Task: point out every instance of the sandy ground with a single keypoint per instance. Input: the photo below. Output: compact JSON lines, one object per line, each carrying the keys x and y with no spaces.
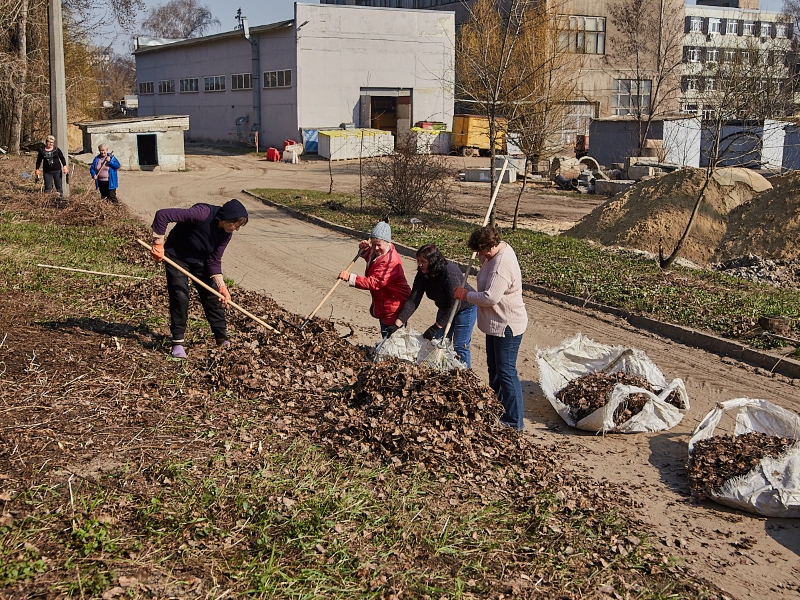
{"x":296,"y":263}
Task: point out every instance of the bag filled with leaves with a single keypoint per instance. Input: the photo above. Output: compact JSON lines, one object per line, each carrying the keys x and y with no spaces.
{"x":403,"y":344}
{"x":757,"y":469}
{"x":602,"y":388}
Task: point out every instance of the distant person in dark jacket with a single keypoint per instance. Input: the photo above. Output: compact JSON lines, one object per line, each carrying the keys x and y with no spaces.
{"x":196,"y":243}
{"x":104,"y":172}
{"x":54,"y":165}
{"x":437,"y":278}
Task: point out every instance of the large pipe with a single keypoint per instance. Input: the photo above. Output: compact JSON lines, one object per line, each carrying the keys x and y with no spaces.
{"x":256,"y":77}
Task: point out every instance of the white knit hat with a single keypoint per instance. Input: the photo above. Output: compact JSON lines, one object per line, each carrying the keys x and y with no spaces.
{"x":382,"y":231}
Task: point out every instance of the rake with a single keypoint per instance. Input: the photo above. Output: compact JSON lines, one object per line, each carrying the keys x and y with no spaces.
{"x":245,"y":312}
{"x":328,"y":295}
{"x":438,"y":356}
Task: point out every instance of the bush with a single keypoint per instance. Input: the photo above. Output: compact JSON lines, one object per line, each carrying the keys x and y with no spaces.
{"x":406,"y":182}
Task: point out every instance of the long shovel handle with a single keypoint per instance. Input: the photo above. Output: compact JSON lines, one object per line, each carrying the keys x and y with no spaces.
{"x":210,"y":289}
{"x":474,"y":254}
{"x":328,"y":295}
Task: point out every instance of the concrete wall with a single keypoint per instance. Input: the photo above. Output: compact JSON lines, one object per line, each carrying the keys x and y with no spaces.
{"x":121,"y":138}
{"x":342,"y":49}
{"x":682,"y":142}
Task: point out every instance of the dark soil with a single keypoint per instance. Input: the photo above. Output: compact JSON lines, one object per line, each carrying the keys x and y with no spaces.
{"x":586,"y":394}
{"x":720,"y":458}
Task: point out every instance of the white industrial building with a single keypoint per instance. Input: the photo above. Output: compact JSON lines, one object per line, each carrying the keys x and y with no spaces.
{"x":380,"y":68}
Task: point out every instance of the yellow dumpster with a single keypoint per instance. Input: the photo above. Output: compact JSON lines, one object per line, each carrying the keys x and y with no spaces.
{"x":471,"y":134}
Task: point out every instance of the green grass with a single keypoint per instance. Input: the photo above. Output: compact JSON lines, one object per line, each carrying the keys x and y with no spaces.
{"x":699,"y":299}
{"x":296,"y":523}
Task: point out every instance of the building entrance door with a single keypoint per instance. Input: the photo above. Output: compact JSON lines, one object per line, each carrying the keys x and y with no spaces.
{"x":146,"y":147}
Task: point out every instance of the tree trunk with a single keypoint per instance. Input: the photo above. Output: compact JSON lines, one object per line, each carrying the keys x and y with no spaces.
{"x":665,"y":263}
{"x":519,"y":196}
{"x":18,"y":87}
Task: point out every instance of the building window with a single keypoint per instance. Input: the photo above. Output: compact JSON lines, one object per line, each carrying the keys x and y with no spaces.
{"x":630,"y":97}
{"x":242,"y":81}
{"x":278,"y":79}
{"x":584,"y":35}
{"x":166,"y":86}
{"x":749,"y":28}
{"x":780,"y":30}
{"x":693,"y":55}
{"x":765,"y":29}
{"x":189,"y":85}
{"x":214,"y":84}
{"x":714,"y":25}
{"x":712,"y":55}
{"x":732,"y":27}
{"x":146,"y":88}
{"x":691,"y":84}
{"x":696,"y":24}
{"x":730,"y":55}
{"x":711,"y":84}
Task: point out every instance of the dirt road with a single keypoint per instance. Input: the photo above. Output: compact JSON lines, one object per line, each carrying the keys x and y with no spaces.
{"x":296,"y":263}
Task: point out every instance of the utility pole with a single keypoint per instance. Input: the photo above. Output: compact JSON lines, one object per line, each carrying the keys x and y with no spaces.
{"x":58,"y":86}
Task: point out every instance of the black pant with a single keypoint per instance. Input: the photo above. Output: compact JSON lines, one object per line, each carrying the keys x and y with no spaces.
{"x":105,"y":192}
{"x":51,"y":178}
{"x":178,"y":288}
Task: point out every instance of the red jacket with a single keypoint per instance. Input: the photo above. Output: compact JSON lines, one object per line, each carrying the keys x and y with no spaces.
{"x":386,"y":281}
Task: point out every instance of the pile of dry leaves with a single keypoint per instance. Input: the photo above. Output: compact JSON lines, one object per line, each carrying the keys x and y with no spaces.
{"x":586,"y":394}
{"x":717,"y":459}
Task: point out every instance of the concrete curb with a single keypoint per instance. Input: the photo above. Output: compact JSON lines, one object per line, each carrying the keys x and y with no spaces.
{"x":684,"y":335}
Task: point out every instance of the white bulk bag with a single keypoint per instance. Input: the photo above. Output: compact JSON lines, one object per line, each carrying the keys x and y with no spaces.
{"x":404,"y":344}
{"x":579,"y":356}
{"x":772,"y":487}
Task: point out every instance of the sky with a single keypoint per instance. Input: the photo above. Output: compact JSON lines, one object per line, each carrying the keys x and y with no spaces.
{"x":263,"y":12}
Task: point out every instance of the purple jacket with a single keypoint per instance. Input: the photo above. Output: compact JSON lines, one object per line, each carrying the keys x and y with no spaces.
{"x":197,"y":237}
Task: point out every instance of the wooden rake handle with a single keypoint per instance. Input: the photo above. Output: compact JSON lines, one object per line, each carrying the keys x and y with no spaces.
{"x":210,"y":289}
{"x":474,"y":254}
{"x":328,"y":295}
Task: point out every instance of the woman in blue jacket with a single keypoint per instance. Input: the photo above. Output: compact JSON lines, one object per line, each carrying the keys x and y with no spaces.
{"x":104,"y":172}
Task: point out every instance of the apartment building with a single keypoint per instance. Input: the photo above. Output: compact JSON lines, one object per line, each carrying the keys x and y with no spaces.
{"x":727,"y":33}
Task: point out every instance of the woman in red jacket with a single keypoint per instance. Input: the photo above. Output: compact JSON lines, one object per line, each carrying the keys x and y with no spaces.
{"x":384,"y":277}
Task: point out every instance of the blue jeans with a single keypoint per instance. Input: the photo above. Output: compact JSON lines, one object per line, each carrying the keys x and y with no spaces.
{"x":461,"y":333}
{"x":501,"y":358}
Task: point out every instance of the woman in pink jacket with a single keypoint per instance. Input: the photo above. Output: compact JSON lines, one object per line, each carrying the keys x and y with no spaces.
{"x":384,"y":277}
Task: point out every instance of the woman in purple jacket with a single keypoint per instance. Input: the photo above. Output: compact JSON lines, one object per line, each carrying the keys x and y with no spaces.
{"x":196,"y":243}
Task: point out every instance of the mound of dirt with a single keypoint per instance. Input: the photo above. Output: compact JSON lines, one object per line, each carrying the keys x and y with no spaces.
{"x":768,"y":225}
{"x":660,"y":209}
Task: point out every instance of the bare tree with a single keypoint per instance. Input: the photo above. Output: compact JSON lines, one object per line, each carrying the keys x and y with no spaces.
{"x":491,"y":73}
{"x":645,"y":55}
{"x":24,"y":73}
{"x":179,"y":19}
{"x":738,"y":94}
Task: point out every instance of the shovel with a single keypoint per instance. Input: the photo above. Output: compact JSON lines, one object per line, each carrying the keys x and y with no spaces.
{"x":328,"y":295}
{"x":212,"y":290}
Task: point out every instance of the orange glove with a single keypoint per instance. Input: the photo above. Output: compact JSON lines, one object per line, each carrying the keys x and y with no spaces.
{"x":344,"y":276}
{"x":460,"y":293}
{"x":223,"y":289}
{"x":157,"y":251}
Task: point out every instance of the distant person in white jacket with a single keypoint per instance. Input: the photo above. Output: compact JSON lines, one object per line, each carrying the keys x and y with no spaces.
{"x":501,"y":316}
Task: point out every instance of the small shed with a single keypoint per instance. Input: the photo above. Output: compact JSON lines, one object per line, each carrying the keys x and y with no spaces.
{"x":612,"y":139}
{"x":140,"y":143}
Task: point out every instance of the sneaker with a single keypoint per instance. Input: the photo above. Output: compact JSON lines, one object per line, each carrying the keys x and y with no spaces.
{"x":223,"y":343}
{"x":178,"y":351}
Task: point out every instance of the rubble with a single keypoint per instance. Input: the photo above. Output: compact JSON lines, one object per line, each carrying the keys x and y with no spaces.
{"x":780,"y":273}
